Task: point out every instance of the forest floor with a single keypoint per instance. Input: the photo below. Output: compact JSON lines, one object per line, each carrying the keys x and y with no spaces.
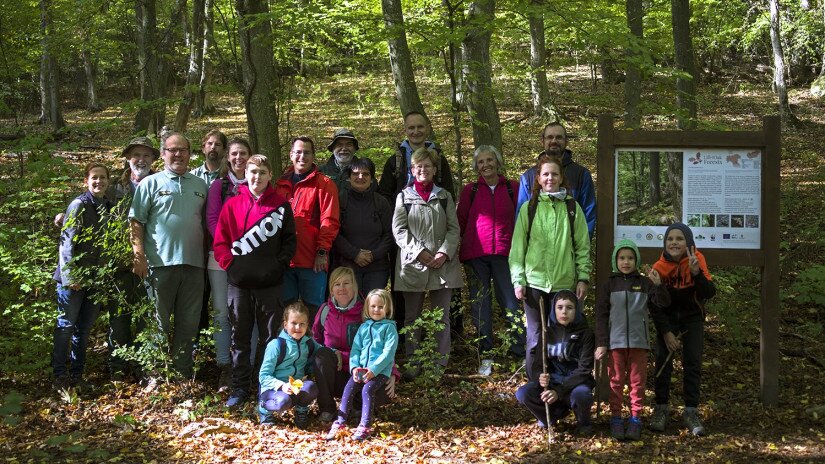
{"x":465,"y":417}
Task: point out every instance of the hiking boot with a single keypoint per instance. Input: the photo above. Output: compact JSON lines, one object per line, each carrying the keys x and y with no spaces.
{"x":225,"y":378}
{"x":237,"y":398}
{"x":661,"y":414}
{"x":326,"y":417}
{"x":617,"y":428}
{"x":361,"y":433}
{"x":301,"y":416}
{"x":63,"y":382}
{"x":691,"y":420}
{"x":634,"y":429}
{"x":333,"y":431}
{"x":486,"y":367}
{"x":266,"y":419}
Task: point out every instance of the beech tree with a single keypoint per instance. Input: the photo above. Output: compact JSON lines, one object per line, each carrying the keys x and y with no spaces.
{"x":633,"y":71}
{"x":538,"y":60}
{"x":477,"y":71}
{"x":50,"y":106}
{"x":779,"y":65}
{"x":685,"y":64}
{"x":400,"y":61}
{"x":193,"y":77}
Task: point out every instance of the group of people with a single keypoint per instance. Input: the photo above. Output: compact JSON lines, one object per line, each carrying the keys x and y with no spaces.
{"x":263,"y":248}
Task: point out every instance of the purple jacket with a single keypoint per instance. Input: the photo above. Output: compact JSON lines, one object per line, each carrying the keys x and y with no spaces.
{"x":487,"y":224}
{"x":215,"y":201}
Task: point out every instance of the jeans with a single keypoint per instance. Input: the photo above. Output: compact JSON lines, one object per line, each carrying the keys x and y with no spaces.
{"x":532,"y":311}
{"x":121,"y":319}
{"x":496,"y":268}
{"x":177,"y":291}
{"x":368,"y":281}
{"x":248,"y":307}
{"x":580,"y":399}
{"x":76,"y":315}
{"x":306,"y":284}
{"x":220,"y":318}
{"x":692,"y":345}
{"x":414,"y":302}
{"x":280,"y":402}
{"x":369,"y":392}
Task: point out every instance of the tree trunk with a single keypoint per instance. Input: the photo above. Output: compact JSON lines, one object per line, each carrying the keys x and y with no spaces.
{"x":538,"y":60}
{"x":90,"y":70}
{"x":674,"y":175}
{"x":654,"y":179}
{"x":201,"y":97}
{"x":481,"y":103}
{"x":170,"y":36}
{"x":50,"y":107}
{"x":400,"y":60}
{"x":779,"y":65}
{"x":259,"y":79}
{"x":452,"y":65}
{"x":195,"y":63}
{"x":685,"y":63}
{"x":633,"y":71}
{"x":146,"y":16}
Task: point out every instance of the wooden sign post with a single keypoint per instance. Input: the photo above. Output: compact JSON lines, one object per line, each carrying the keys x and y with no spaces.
{"x":766,"y":255}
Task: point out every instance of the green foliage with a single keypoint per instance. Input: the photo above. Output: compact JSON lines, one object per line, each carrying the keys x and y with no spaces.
{"x":809,"y":286}
{"x":12,"y":406}
{"x":736,"y":304}
{"x":426,"y":357}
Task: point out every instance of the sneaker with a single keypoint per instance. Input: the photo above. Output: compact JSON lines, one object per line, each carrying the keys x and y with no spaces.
{"x":301,"y":416}
{"x":661,"y":414}
{"x":225,"y":379}
{"x":486,"y":367}
{"x":634,"y":429}
{"x":691,"y":419}
{"x":361,"y":433}
{"x":237,"y":398}
{"x":326,"y":417}
{"x":333,"y":431}
{"x":617,"y":428}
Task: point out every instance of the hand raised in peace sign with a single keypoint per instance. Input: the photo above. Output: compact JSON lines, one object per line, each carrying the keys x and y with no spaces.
{"x":693,"y":261}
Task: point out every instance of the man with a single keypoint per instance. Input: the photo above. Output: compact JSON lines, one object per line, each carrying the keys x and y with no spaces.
{"x":214,"y":147}
{"x":167,"y":242}
{"x":579,"y":180}
{"x":314,"y":200}
{"x":343,"y":148}
{"x":396,"y":176}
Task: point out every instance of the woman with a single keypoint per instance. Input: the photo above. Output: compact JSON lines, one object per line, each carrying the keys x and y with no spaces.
{"x":230,"y":178}
{"x":78,"y":258}
{"x":425,"y":227}
{"x":364,"y":240}
{"x":486,"y":217}
{"x":550,"y":250}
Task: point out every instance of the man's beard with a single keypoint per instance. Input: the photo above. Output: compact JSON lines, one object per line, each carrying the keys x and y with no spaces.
{"x":137,"y":171}
{"x":214,"y":156}
{"x":343,"y":160}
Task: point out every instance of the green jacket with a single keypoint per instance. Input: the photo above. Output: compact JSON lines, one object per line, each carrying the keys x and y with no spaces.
{"x":550,"y":263}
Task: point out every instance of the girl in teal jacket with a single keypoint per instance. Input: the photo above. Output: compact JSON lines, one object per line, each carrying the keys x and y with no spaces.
{"x":550,"y":250}
{"x":370,"y":362}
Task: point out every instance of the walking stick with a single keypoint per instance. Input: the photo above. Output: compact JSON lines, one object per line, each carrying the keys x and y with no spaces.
{"x":669,"y":355}
{"x":550,"y":434}
{"x":599,"y":365}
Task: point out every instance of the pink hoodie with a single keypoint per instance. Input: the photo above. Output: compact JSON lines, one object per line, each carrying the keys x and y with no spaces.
{"x":487,"y":224}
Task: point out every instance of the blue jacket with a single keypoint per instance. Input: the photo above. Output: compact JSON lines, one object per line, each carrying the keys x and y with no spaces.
{"x":579,"y":184}
{"x":294,"y":364}
{"x":77,"y":248}
{"x":374,"y":347}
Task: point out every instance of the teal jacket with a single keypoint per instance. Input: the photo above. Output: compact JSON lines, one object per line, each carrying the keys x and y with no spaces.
{"x":374,"y":347}
{"x":549,"y":262}
{"x":294,"y":364}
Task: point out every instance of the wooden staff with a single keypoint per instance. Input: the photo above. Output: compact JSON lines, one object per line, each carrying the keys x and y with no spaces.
{"x":550,"y":434}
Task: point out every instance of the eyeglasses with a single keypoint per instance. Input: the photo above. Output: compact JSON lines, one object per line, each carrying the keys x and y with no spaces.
{"x":360,"y":174}
{"x":419,"y":167}
{"x":302,"y":152}
{"x":176,"y":151}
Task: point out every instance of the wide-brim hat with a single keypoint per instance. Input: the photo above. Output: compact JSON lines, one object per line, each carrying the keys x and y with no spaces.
{"x":343,"y":133}
{"x":143,"y":142}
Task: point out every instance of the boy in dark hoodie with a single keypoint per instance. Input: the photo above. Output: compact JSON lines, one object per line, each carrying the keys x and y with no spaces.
{"x":622,"y":330}
{"x":684,"y":272}
{"x":568,"y":383}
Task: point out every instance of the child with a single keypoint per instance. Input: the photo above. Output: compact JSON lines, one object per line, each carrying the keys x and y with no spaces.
{"x":287,"y":356}
{"x":681,"y":324}
{"x":77,"y":251}
{"x":569,"y":354}
{"x":370,"y":362}
{"x":622,"y":328}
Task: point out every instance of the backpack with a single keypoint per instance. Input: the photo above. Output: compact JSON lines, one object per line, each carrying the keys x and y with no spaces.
{"x":571,"y":217}
{"x":282,"y":349}
{"x":509,"y":192}
{"x":226,"y":186}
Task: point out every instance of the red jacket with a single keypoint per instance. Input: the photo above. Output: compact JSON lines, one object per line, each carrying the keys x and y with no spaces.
{"x":255,"y":239}
{"x":314,"y":203}
{"x":487,"y":224}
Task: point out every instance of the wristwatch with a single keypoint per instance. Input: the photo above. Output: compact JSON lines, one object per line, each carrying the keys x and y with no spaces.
{"x":321,"y":252}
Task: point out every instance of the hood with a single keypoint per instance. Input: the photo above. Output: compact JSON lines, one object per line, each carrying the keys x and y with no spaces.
{"x":625,"y":243}
{"x":688,"y":238}
{"x":384,"y":321}
{"x":567,"y":294}
{"x":566,"y":157}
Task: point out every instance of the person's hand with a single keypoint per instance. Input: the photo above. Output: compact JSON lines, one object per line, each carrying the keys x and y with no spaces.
{"x":369,"y":375}
{"x":544,"y":380}
{"x":581,"y":291}
{"x":672,"y":342}
{"x":58,"y":219}
{"x":362,"y":258}
{"x":75,"y":287}
{"x":520,"y":293}
{"x":425,"y":258}
{"x":140,"y":266}
{"x":340,"y":359}
{"x":390,"y":387}
{"x":320,"y":263}
{"x":693,"y":261}
{"x":654,"y":277}
{"x":438,"y":261}
{"x":549,"y":396}
{"x":370,"y":257}
{"x":600,"y":352}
